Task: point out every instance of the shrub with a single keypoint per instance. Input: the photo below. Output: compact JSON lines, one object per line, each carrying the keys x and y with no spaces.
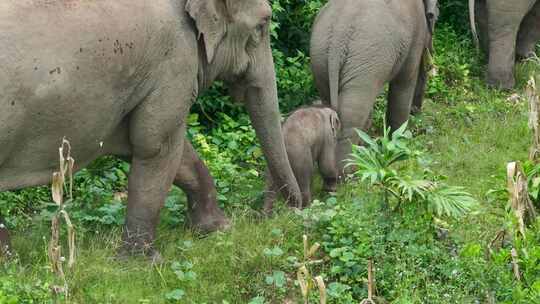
{"x":379,"y":162}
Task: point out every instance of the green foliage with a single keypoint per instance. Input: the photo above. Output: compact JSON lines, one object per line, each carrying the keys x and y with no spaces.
{"x":453,"y":79}
{"x":13,"y":291}
{"x":378,"y":162}
{"x":233,"y":155}
{"x":185,"y":275}
{"x":411,"y":265}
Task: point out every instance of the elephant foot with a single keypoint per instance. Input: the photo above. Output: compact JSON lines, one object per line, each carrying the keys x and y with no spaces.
{"x":330,"y":186}
{"x":209,"y":221}
{"x":138,"y":242}
{"x":415,"y":110}
{"x":153,"y":255}
{"x":525,"y":54}
{"x":503,"y":81}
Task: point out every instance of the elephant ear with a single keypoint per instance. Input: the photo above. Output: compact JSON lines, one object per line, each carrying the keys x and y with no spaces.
{"x":432,"y":14}
{"x":210,"y":18}
{"x":335,"y":124}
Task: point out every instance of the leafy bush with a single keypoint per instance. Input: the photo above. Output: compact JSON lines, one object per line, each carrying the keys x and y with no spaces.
{"x":411,"y":264}
{"x":14,"y":291}
{"x":378,"y":162}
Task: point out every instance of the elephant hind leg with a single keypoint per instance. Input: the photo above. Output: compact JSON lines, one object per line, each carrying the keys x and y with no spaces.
{"x":503,"y":32}
{"x":328,"y":168}
{"x":402,"y":90}
{"x":301,"y":161}
{"x":529,"y":33}
{"x":195,"y":180}
{"x":355,"y":107}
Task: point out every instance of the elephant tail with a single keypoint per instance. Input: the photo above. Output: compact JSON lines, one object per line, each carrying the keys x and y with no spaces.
{"x":473,"y":24}
{"x":334,"y":67}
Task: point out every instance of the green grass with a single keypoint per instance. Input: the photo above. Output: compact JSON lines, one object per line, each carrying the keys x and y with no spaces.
{"x":469,"y":143}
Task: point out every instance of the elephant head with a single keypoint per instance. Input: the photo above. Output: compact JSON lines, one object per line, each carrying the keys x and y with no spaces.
{"x":234,"y":47}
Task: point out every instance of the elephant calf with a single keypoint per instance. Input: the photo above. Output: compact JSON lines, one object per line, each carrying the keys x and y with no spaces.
{"x":359,"y":45}
{"x":310,"y":135}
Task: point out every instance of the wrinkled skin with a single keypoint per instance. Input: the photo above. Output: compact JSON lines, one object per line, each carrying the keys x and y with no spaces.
{"x":507,"y":30}
{"x":118,"y":78}
{"x":359,"y":45}
{"x":310,"y":138}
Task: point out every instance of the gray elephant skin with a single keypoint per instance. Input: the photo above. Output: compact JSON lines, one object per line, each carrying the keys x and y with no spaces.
{"x":310,"y":138}
{"x":359,"y":45}
{"x":118,"y":77}
{"x":508,"y":30}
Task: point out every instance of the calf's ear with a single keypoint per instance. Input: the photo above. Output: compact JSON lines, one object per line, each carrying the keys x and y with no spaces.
{"x":335,"y":124}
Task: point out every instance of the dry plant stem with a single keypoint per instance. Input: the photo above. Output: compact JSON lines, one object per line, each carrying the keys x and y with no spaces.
{"x":305,"y":280}
{"x":519,"y":196}
{"x":322,"y":289}
{"x":369,"y":299}
{"x":58,"y":186}
{"x":515,"y":265}
{"x":492,"y":246}
{"x":532,"y":97}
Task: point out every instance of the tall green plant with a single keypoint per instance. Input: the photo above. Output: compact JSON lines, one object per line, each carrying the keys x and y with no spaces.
{"x":389,"y":164}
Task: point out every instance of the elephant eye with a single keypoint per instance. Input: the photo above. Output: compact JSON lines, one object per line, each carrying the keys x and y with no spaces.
{"x":262,"y":26}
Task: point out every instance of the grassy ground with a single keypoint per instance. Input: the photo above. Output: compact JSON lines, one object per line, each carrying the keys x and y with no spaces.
{"x":470,"y":143}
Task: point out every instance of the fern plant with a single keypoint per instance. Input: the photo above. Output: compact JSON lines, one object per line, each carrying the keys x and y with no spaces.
{"x":389,"y":164}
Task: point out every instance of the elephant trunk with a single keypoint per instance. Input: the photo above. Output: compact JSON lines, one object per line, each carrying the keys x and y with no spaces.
{"x":262,"y":105}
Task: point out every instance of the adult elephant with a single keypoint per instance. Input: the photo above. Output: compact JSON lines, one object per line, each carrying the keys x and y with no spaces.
{"x":359,"y":45}
{"x":118,"y":77}
{"x":508,"y":29}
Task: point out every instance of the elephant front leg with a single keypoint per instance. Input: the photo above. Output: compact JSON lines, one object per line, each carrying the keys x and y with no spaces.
{"x":156,"y":134}
{"x":195,"y":180}
{"x":150,"y":179}
{"x":529,"y":33}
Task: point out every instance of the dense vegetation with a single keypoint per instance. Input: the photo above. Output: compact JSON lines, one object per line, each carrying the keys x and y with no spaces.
{"x":465,"y":136}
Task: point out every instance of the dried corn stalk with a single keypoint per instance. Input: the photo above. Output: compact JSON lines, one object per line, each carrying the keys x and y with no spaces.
{"x":58,"y":185}
{"x":305,"y":280}
{"x":515,"y":265}
{"x":371,"y":284}
{"x":531,"y":94}
{"x":519,"y":195}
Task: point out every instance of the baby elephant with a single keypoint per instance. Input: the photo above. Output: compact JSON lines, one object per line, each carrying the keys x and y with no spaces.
{"x":310,"y":135}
